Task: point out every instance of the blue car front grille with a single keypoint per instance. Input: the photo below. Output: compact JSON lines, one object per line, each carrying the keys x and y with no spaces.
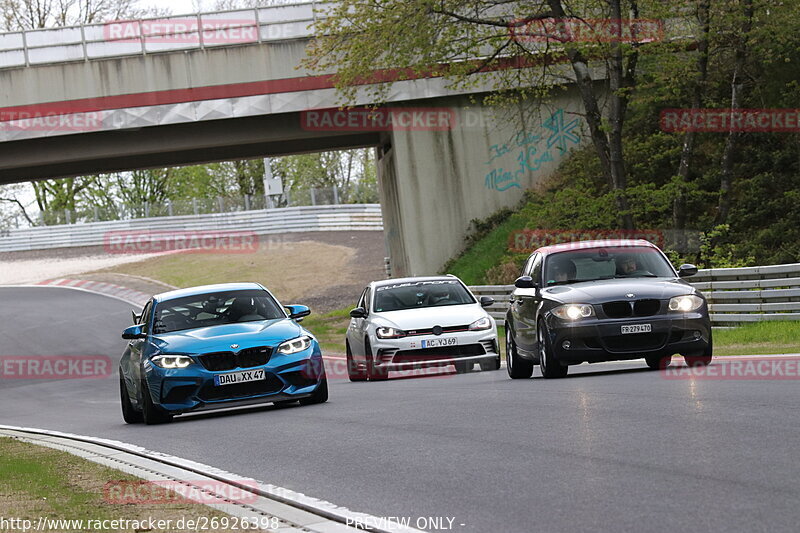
{"x":271,"y":384}
{"x":247,"y":358}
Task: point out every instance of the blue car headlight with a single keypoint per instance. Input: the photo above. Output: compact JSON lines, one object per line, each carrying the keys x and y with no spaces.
{"x":172,"y":361}
{"x":295,"y":345}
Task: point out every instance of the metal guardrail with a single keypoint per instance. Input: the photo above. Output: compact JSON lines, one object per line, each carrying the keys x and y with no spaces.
{"x":348,"y":217}
{"x":735,"y":295}
{"x":194,"y":31}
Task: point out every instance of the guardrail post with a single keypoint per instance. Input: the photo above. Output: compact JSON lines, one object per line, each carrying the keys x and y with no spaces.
{"x":83,"y":43}
{"x":335,"y":195}
{"x":200,"y":31}
{"x":146,"y":210}
{"x":141,"y":37}
{"x":220,"y":205}
{"x":96,"y":213}
{"x":25,"y":49}
{"x":67,"y":216}
{"x":258,"y":24}
{"x":194,"y":206}
{"x":247,"y":202}
{"x":313,"y":196}
{"x":169,"y":207}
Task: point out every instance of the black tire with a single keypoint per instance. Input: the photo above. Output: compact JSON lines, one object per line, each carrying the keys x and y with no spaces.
{"x":151,"y":413}
{"x":129,"y":414}
{"x":548,"y":364}
{"x":353,"y":372}
{"x":658,"y":362}
{"x":702,"y":359}
{"x":517,"y":367}
{"x":373,"y":373}
{"x":320,"y":394}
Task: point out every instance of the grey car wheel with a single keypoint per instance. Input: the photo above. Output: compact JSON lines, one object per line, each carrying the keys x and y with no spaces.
{"x":517,"y":367}
{"x":549,"y":366}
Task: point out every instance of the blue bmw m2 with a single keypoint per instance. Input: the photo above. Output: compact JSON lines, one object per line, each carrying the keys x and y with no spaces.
{"x":214,"y":347}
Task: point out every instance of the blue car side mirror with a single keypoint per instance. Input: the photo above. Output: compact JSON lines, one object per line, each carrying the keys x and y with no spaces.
{"x":133,"y":332}
{"x":297,"y":312}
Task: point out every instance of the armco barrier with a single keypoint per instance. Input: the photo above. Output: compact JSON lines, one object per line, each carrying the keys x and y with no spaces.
{"x":735,"y":295}
{"x":347,"y":217}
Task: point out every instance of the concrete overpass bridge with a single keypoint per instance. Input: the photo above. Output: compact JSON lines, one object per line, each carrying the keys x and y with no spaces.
{"x":226,"y":85}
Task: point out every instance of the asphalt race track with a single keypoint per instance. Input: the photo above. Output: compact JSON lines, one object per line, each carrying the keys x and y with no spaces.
{"x":613,"y":447}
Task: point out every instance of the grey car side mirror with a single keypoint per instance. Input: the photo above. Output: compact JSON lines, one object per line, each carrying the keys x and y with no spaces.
{"x":525,"y":282}
{"x":687,"y":270}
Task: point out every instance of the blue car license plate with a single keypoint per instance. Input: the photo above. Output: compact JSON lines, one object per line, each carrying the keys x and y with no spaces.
{"x":239,"y":377}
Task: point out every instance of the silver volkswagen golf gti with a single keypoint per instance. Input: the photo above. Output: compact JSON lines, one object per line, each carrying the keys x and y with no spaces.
{"x":410,"y":323}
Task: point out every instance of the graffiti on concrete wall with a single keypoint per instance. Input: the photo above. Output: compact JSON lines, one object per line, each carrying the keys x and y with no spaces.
{"x":527,"y":152}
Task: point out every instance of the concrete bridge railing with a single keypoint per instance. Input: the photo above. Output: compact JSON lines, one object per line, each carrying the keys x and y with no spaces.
{"x":161,"y":34}
{"x":349,"y":217}
{"x":735,"y":295}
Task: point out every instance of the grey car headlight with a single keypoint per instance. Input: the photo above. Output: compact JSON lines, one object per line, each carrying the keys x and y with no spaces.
{"x":573,"y":311}
{"x":295,"y":345}
{"x":172,"y":361}
{"x":686,"y":303}
{"x":481,"y":324}
{"x":386,"y":332}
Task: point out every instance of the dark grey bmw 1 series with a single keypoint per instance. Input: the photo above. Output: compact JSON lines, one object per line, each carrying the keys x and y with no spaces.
{"x":595,"y":301}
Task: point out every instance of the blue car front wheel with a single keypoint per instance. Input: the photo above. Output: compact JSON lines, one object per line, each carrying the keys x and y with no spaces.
{"x":151,"y":413}
{"x":129,"y":414}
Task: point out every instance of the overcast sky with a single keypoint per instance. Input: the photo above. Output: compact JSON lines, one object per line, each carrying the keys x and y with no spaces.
{"x":178,"y":7}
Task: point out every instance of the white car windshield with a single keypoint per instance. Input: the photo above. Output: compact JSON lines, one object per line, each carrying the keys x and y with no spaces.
{"x":419,"y":294}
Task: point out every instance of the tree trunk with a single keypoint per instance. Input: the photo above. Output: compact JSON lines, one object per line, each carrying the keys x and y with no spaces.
{"x":609,"y":150}
{"x":737,"y":87}
{"x":679,"y":204}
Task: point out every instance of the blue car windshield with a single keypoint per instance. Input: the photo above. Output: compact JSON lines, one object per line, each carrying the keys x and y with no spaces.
{"x":590,"y":264}
{"x":215,"y":309}
{"x":417,"y":294}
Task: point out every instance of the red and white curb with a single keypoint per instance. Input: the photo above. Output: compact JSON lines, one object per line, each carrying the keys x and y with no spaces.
{"x":107,"y":289}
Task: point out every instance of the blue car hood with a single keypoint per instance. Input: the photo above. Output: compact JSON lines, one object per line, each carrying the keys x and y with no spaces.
{"x":220,"y":338}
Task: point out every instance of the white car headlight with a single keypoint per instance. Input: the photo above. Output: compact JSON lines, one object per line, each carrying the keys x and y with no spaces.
{"x":389,"y":333}
{"x":295,"y":345}
{"x":686,"y":303}
{"x":573,"y":311}
{"x":172,"y":361}
{"x":481,"y":324}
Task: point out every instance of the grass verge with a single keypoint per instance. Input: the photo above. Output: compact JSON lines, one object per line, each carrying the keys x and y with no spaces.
{"x":36,"y":482}
{"x":330,"y":330}
{"x":473,"y":264}
{"x":758,"y":338}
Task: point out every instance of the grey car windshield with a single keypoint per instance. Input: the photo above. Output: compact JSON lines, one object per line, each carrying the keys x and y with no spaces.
{"x":590,"y":264}
{"x":214,"y":309}
{"x":418,"y":294}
